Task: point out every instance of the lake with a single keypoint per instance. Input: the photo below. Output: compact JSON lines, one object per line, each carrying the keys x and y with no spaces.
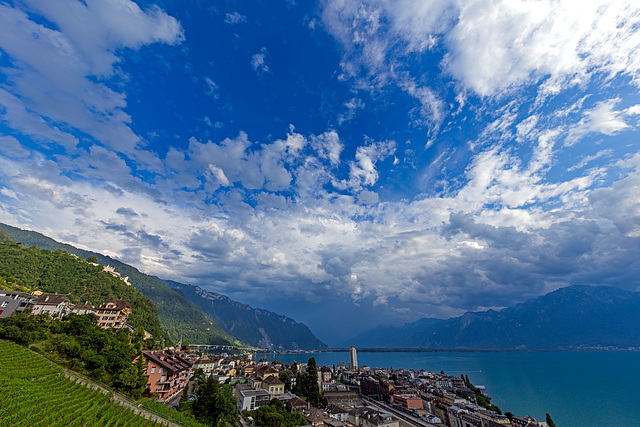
{"x":581,"y":388}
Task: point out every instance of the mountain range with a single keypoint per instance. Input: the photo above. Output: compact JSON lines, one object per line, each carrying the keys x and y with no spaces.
{"x":226,"y":322}
{"x":570,"y":317}
{"x":255,"y":326}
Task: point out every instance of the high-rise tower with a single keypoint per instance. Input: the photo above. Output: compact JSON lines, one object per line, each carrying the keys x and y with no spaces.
{"x":353,"y":355}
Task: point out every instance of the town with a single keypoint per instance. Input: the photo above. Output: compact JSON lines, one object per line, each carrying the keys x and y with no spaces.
{"x":344,"y":395}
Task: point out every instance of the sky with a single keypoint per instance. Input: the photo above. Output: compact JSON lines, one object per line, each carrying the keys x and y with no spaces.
{"x":346,"y":163}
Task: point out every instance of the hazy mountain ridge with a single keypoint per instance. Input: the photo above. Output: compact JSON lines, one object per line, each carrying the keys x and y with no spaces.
{"x":571,"y":317}
{"x":255,"y":326}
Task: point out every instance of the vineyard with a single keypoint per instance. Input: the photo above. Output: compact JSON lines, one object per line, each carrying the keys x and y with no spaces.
{"x":35,"y":392}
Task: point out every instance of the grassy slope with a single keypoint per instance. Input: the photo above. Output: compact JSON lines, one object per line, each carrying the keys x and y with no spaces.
{"x":33,"y":390}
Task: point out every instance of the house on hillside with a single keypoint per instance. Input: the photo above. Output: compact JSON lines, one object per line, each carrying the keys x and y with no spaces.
{"x":14,"y":301}
{"x":55,"y":305}
{"x":85,"y":308}
{"x":113,"y":314}
{"x":167,"y":373}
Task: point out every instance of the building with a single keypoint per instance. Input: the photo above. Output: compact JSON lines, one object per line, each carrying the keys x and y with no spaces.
{"x":55,"y":305}
{"x":527,"y":421}
{"x":208,"y":364}
{"x":369,"y":417}
{"x":353,"y":357}
{"x":273,"y":385}
{"x":252,"y":399}
{"x":113,"y":314}
{"x":336,"y":423}
{"x":338,"y":412}
{"x":267,"y":371}
{"x":315,"y":416}
{"x":14,"y":301}
{"x":86,"y":308}
{"x":408,"y":401}
{"x":167,"y":373}
{"x":296,"y":404}
{"x":325,"y":374}
{"x":343,"y":397}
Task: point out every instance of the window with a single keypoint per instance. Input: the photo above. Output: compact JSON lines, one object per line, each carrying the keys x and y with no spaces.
{"x":153,"y":370}
{"x":4,"y":303}
{"x":162,"y":379}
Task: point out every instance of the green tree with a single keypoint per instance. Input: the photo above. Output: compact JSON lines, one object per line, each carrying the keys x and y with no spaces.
{"x":550,"y":422}
{"x":307,"y":385}
{"x":275,"y":415}
{"x":215,"y":406}
{"x":93,"y":259}
{"x":284,"y":377}
{"x":132,"y":379}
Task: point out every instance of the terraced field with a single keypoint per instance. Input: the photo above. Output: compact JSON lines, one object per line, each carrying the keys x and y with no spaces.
{"x":35,"y":392}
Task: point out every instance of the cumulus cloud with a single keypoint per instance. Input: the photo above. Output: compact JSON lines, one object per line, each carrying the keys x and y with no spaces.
{"x":362,"y":171}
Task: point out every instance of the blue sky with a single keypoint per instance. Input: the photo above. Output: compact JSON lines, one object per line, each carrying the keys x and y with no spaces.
{"x":345,"y":163}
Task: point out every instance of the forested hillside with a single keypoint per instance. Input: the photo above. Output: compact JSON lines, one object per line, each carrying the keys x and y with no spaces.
{"x":60,"y":272}
{"x":257,"y":327}
{"x":180,"y":317}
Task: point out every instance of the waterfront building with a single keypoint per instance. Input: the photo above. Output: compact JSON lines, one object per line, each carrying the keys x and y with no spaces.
{"x":55,"y":305}
{"x":353,"y":358}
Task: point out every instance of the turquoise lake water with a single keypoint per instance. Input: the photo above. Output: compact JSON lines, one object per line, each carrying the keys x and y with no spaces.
{"x":576,"y":388}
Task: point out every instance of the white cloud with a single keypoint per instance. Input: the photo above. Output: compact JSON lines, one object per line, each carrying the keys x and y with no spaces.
{"x":602,"y":118}
{"x":328,"y":146}
{"x":8,"y":193}
{"x":212,"y":89}
{"x":57,"y":77}
{"x":362,"y":171}
{"x":351,"y":107}
{"x":498,"y":45}
{"x":259,"y":61}
{"x":12,"y":147}
{"x":235,"y":18}
{"x":588,"y":159}
{"x":491,"y":45}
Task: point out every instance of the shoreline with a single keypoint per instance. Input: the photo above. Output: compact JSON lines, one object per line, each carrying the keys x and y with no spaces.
{"x":451,"y":350}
